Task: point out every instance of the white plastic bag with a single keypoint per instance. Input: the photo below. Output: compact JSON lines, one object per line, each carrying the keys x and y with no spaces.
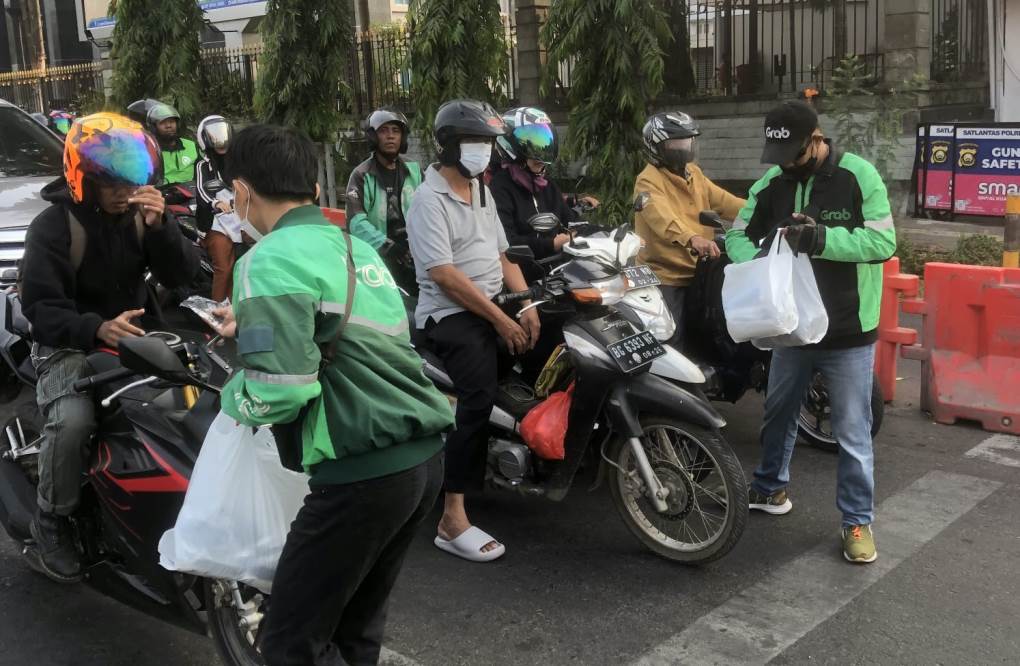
{"x":812,"y":319}
{"x":238,"y":508}
{"x":757,"y":295}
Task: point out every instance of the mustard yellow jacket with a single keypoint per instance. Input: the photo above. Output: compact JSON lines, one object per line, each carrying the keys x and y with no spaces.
{"x":670,"y":218}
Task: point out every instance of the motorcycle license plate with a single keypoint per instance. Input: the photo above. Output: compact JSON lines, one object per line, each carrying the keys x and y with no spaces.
{"x":640,"y":276}
{"x":637,"y":350}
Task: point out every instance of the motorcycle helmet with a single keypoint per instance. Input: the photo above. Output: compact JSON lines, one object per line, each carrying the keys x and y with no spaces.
{"x":530,"y":136}
{"x":664,"y":127}
{"x":139,"y":111}
{"x":213,"y":136}
{"x":459,"y":119}
{"x":109,"y":149}
{"x":60,"y":121}
{"x":381,"y":117}
{"x":158,"y":113}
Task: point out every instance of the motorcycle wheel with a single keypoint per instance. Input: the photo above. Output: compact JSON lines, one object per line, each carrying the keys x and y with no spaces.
{"x":234,"y":612}
{"x":815,"y":421}
{"x":708,"y":493}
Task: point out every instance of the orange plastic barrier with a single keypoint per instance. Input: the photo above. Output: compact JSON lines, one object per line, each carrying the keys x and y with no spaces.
{"x":336,"y":216}
{"x":971,"y":345}
{"x":890,"y":334}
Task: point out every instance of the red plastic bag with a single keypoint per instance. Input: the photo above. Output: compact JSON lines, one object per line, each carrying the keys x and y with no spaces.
{"x":544,"y":428}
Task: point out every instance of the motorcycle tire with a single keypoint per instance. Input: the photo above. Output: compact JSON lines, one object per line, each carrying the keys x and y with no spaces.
{"x":723,"y":485}
{"x":235,"y":642}
{"x":817,"y":402}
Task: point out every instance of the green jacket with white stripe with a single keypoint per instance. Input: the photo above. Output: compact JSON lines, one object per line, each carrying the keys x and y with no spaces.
{"x":848,"y":200}
{"x":371,"y":412}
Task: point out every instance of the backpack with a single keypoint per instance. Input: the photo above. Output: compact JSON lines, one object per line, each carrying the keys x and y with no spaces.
{"x":76,"y":254}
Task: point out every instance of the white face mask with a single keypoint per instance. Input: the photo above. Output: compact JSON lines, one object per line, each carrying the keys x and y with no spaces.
{"x":475,"y":157}
{"x":246,"y":224}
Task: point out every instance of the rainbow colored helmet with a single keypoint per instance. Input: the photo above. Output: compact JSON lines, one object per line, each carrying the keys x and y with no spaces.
{"x":112,"y":150}
{"x":60,"y":121}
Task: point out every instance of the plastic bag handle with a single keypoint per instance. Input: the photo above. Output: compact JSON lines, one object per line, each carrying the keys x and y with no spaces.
{"x":777,"y":244}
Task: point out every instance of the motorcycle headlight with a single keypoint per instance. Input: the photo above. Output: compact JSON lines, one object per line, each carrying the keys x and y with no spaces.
{"x":649,"y":305}
{"x":606,"y":292}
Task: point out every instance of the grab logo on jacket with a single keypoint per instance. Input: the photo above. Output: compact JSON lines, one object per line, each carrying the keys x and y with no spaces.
{"x":777,"y":133}
{"x":842,"y":215}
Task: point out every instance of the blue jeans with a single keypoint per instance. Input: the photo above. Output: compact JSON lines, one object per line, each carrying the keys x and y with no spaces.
{"x":848,"y":375}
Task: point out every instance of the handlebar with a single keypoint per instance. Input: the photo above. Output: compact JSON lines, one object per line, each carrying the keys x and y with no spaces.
{"x":516,"y":296}
{"x":102,"y":378}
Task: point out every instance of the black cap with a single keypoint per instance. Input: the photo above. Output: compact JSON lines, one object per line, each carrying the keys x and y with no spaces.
{"x":787,"y":128}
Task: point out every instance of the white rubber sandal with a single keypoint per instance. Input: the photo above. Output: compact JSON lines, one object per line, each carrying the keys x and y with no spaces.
{"x":469,"y":546}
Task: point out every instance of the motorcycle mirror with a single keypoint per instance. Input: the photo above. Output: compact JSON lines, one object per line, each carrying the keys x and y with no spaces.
{"x":151,"y":356}
{"x":519,"y":254}
{"x":621,"y":232}
{"x":641,"y":200}
{"x":544,"y":223}
{"x":710,"y":218}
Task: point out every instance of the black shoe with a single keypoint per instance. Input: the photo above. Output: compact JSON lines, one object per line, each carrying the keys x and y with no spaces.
{"x":57,"y":556}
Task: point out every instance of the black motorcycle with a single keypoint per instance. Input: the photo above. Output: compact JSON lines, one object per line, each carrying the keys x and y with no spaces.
{"x":733,"y":368}
{"x":156,"y":397}
{"x":673,"y":478}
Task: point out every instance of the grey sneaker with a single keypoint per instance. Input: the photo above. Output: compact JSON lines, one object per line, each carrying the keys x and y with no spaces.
{"x":777,"y":503}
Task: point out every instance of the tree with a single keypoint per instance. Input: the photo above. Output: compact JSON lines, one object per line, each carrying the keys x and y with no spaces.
{"x":616,"y":50}
{"x":156,"y":52}
{"x":308,"y":50}
{"x":678,"y":78}
{"x":458,"y":50}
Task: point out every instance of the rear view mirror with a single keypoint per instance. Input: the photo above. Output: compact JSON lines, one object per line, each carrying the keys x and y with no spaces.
{"x":544,"y":223}
{"x":641,"y":200}
{"x":621,"y":232}
{"x":520,"y":254}
{"x":151,"y":356}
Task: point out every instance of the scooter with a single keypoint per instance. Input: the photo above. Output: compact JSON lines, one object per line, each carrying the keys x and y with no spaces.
{"x":637,"y":409}
{"x":155,"y":399}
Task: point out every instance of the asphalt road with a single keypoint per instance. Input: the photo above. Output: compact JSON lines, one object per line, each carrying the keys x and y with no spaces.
{"x":575,"y":587}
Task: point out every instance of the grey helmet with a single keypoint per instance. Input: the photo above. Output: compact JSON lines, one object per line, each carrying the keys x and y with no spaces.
{"x":381,"y":117}
{"x":663,"y":127}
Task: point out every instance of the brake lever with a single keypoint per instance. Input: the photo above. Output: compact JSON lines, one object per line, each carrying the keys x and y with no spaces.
{"x":107,"y":401}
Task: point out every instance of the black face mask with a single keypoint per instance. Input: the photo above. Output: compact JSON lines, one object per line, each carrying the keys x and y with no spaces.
{"x":801,"y":171}
{"x":677,"y":160}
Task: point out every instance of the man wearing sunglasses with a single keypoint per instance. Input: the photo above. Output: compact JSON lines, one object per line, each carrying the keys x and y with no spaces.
{"x":833,"y":206}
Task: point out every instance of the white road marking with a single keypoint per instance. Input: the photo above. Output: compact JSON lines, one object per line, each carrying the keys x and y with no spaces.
{"x":390,"y":658}
{"x":998,"y":449}
{"x":762,"y":621}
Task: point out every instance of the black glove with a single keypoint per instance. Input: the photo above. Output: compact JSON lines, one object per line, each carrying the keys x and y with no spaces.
{"x":804,"y":235}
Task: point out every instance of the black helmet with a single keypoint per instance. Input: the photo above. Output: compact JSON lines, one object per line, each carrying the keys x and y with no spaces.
{"x":462,"y":118}
{"x":662,"y":127}
{"x":381,"y":117}
{"x":139,"y":111}
{"x":530,"y":136}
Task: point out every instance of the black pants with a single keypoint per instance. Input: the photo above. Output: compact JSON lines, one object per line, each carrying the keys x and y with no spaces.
{"x":342,"y":557}
{"x":475,"y":359}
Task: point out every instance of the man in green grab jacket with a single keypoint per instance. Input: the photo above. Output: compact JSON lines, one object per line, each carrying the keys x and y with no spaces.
{"x":832,"y":206}
{"x":180,"y":155}
{"x":371,"y":422}
{"x":379,"y":194}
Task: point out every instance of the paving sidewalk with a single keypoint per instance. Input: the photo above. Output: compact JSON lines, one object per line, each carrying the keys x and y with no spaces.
{"x":945,"y":234}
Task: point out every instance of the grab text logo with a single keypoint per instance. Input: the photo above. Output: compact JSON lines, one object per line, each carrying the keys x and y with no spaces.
{"x":836,"y":215}
{"x":777,"y":133}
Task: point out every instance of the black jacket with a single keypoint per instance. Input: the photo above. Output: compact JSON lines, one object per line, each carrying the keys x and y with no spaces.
{"x":66,"y":308}
{"x":205,"y":196}
{"x":516,"y":206}
{"x":848,"y":200}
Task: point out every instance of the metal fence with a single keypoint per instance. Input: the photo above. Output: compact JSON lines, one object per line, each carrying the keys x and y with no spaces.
{"x":379,"y":73}
{"x":75,"y":87}
{"x":959,"y":40}
{"x":748,"y":47}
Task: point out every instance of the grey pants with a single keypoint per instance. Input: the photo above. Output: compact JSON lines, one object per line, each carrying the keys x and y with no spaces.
{"x":69,"y":420}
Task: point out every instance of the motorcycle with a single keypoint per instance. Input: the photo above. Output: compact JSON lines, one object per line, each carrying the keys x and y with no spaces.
{"x":637,"y":409}
{"x":156,"y":397}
